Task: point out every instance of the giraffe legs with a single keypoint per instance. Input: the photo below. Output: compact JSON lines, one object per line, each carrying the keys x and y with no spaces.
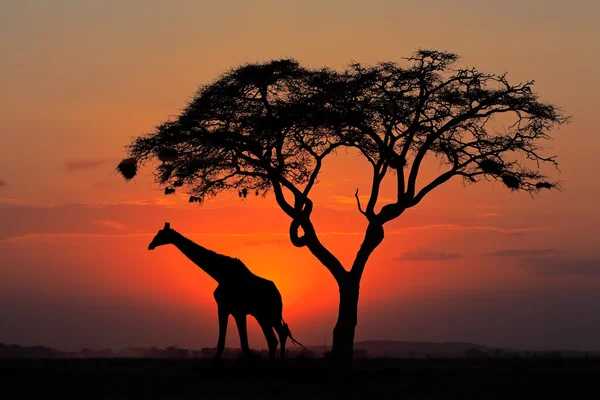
{"x":240,"y":320}
{"x":272,"y":342}
{"x":282,"y":332}
{"x":223,"y":317}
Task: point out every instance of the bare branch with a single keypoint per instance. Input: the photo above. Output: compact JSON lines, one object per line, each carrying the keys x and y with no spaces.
{"x":311,"y":240}
{"x":432,"y":185}
{"x":282,"y":202}
{"x":358,"y":203}
{"x":297,"y":240}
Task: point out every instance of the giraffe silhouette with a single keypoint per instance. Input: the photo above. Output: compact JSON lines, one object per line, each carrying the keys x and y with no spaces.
{"x":239,"y":293}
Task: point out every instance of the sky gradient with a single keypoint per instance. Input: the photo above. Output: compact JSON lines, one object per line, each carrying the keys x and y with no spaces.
{"x":78,"y":79}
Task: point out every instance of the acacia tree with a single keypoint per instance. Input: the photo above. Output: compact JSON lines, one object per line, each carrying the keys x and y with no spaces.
{"x":268,"y":126}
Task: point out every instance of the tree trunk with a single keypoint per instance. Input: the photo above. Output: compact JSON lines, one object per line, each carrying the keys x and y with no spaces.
{"x":343,"y":334}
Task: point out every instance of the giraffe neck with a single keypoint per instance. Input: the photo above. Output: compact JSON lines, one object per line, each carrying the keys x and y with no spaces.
{"x":207,"y":260}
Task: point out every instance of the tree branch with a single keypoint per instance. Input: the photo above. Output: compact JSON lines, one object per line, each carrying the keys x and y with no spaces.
{"x":358,"y":203}
{"x":374,"y":235}
{"x":432,"y":185}
{"x":311,"y":240}
{"x":297,"y":240}
{"x":280,"y":198}
{"x":379,"y":171}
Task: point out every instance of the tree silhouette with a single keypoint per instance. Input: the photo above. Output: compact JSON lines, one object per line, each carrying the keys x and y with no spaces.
{"x":268,"y":126}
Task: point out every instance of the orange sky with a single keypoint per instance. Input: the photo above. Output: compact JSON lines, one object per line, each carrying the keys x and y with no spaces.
{"x":475,"y":263}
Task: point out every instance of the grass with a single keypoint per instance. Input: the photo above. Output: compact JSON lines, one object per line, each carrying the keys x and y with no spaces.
{"x":310,"y":378}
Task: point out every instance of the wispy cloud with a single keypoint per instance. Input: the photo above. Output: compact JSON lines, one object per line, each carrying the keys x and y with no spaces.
{"x":266,"y":242}
{"x":253,"y":238}
{"x":159,"y":201}
{"x":350,"y":201}
{"x":140,"y":233}
{"x":10,"y":201}
{"x":457,"y":227}
{"x":101,"y":204}
{"x":521,"y":252}
{"x":2,"y":183}
{"x":110,"y":224}
{"x":163,"y":201}
{"x":45,"y":236}
{"x":564,"y":266}
{"x":79,"y":165}
{"x":488,"y":206}
{"x":487,"y":215}
{"x":266,"y":237}
{"x":548,"y":262}
{"x":427,"y":255}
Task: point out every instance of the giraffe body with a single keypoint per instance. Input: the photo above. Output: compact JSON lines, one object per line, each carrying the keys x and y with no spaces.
{"x":242,"y":298}
{"x":240,"y":293}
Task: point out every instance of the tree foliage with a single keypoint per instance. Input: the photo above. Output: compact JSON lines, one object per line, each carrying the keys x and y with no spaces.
{"x":255,"y":125}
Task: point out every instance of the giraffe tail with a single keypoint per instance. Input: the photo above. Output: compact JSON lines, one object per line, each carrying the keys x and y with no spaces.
{"x":289,"y":333}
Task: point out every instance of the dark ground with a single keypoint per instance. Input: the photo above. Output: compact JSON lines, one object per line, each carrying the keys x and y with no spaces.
{"x":373,"y":379}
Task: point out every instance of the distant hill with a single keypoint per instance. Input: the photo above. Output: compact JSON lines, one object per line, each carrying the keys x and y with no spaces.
{"x":400,"y":349}
{"x":370,"y":348}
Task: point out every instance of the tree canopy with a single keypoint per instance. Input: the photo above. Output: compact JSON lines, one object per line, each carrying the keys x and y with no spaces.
{"x":269,"y":126}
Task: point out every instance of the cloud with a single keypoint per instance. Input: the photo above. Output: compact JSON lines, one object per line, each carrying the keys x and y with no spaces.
{"x":27,"y":237}
{"x":21,"y":218}
{"x":163,"y":201}
{"x":457,"y":227}
{"x":521,"y":252}
{"x":434,"y":227}
{"x":564,"y":266}
{"x":487,"y":215}
{"x":110,"y":224}
{"x":253,"y":237}
{"x":427,"y":255}
{"x":488,"y":206}
{"x":2,"y":183}
{"x":266,"y":242}
{"x":546,"y":262}
{"x":83,"y":164}
{"x":348,"y":200}
{"x":159,"y":201}
{"x":10,"y":201}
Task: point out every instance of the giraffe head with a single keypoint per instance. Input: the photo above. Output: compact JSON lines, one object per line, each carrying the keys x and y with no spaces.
{"x":162,"y":237}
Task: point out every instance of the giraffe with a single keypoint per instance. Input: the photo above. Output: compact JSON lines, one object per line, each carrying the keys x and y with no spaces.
{"x":239,"y":293}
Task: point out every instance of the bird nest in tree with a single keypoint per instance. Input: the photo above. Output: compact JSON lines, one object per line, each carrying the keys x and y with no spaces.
{"x":511,"y":181}
{"x":244,"y":192}
{"x":128,"y":168}
{"x":490,"y":166}
{"x":544,"y":185}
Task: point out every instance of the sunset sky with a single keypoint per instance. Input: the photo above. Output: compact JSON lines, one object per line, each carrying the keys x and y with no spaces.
{"x":79,"y":79}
